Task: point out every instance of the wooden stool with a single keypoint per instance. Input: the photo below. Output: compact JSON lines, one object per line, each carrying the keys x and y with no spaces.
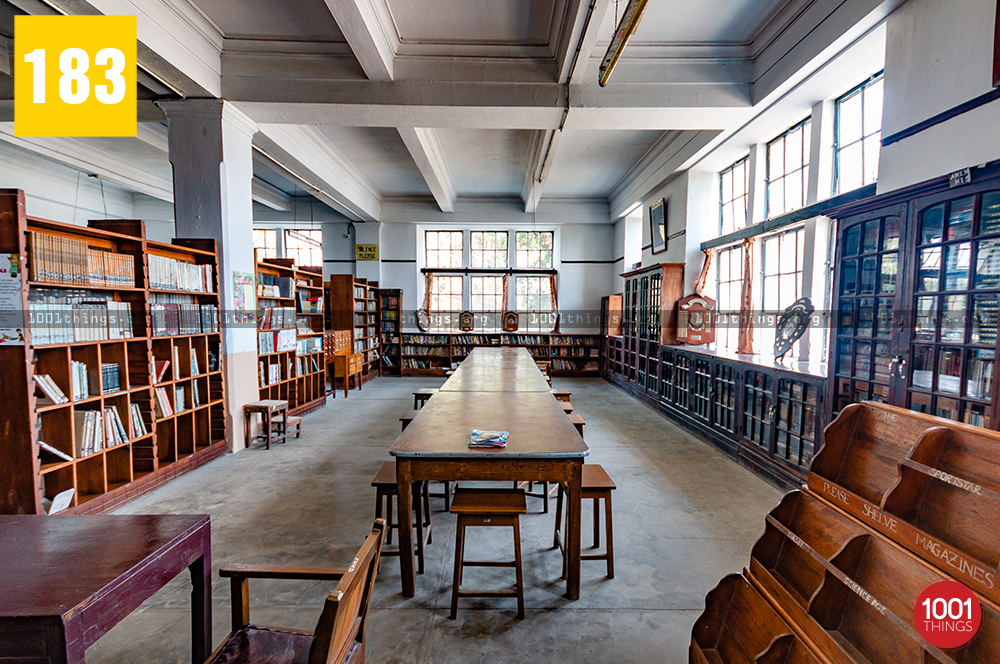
{"x":446,"y":494}
{"x":487,"y":508}
{"x":406,"y":419}
{"x":561,"y":394}
{"x":294,"y":422}
{"x":272,"y":415}
{"x":545,"y":494}
{"x":577,"y":422}
{"x":566,"y":406}
{"x":421,"y":396}
{"x":596,"y":485}
{"x":385,"y":490}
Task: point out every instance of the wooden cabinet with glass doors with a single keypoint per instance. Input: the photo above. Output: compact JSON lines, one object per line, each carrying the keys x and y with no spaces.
{"x":917,"y":290}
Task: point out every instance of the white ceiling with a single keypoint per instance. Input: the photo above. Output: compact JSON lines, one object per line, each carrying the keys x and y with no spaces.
{"x":683,"y":21}
{"x":589,"y":163}
{"x":486,"y":162}
{"x":299,"y":20}
{"x":520,"y":22}
{"x":381,"y":156}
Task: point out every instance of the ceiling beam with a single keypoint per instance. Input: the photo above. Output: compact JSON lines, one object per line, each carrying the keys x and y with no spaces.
{"x":544,"y":143}
{"x":270,"y":196}
{"x":425,"y":148}
{"x":588,"y":20}
{"x":368,"y":34}
{"x":321,"y":169}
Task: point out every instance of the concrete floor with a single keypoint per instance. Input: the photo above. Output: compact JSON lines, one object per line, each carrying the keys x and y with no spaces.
{"x":685,"y":515}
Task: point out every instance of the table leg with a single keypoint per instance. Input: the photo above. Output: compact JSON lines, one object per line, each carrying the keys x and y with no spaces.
{"x":405,"y":496}
{"x":247,"y":425}
{"x":201,"y":603}
{"x":347,"y":382}
{"x":72,"y":640}
{"x":573,"y":518}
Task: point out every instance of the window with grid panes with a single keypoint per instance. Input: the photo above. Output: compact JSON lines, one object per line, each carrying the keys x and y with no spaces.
{"x":533,"y":249}
{"x":265,"y":241}
{"x":444,"y":249}
{"x":488,"y":249}
{"x":305,"y":246}
{"x":859,"y":135}
{"x":734,"y":185}
{"x":729,"y":296}
{"x":533,"y":297}
{"x":446,"y":302}
{"x":782,"y":281}
{"x":956,"y":300}
{"x":788,"y":170}
{"x":487,"y":302}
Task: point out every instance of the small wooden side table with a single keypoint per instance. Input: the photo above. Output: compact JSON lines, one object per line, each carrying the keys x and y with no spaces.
{"x":270,"y":410}
{"x":345,"y":366}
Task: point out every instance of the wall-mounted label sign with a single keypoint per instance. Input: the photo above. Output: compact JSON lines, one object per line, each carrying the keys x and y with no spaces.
{"x":960,"y":178}
{"x":74,"y":75}
{"x":366,"y":252}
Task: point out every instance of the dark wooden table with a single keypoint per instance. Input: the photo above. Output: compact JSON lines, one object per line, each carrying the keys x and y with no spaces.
{"x":543,"y":446}
{"x":66,"y":580}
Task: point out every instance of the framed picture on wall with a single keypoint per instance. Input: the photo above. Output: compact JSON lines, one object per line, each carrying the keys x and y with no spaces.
{"x":658,"y":225}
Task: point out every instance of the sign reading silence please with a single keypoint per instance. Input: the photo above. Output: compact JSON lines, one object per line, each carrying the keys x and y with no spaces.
{"x":75,"y":75}
{"x":366,"y":252}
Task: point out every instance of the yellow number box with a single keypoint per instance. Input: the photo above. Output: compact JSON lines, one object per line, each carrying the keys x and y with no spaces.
{"x":74,"y":75}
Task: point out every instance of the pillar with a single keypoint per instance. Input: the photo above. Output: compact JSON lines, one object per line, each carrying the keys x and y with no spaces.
{"x":210,"y":148}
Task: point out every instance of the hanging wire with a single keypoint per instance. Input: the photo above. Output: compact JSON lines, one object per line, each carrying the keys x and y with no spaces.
{"x":103,"y":199}
{"x":616,"y":15}
{"x":76,"y":201}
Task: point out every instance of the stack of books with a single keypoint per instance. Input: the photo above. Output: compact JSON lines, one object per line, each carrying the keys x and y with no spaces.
{"x":170,"y":320}
{"x":276,"y":318}
{"x":138,"y":425}
{"x":96,"y":430}
{"x":269,"y":285}
{"x":81,"y":384}
{"x":275,"y":342}
{"x":163,"y":407}
{"x":482,"y":438}
{"x":53,"y":394}
{"x":63,"y":260}
{"x":171,"y":274}
{"x":110,"y":381}
{"x":69,"y":319}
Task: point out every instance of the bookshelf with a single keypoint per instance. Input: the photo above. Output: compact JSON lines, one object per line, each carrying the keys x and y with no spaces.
{"x":290,"y":363}
{"x":353,"y":304}
{"x":432,"y":354}
{"x":390,"y":315}
{"x":81,"y":390}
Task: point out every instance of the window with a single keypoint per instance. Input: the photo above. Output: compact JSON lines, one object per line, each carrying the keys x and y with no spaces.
{"x":489,"y":249}
{"x":306,"y":247}
{"x":859,"y":135}
{"x":782,"y":268}
{"x":444,"y":249}
{"x":265,"y":241}
{"x":446,"y":293}
{"x":534,"y":249}
{"x":730,"y":296}
{"x":788,"y":170}
{"x":734,"y":186}
{"x":534,"y":303}
{"x":487,"y":301}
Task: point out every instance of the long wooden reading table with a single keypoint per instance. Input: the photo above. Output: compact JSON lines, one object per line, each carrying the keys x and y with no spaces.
{"x":493,"y":389}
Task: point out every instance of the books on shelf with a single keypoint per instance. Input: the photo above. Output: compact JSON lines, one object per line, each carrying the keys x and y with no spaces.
{"x":62,"y":260}
{"x":173,"y":274}
{"x":160,"y":369}
{"x":276,"y":318}
{"x":138,"y":424}
{"x":170,"y":320}
{"x":195,"y":369}
{"x":277,"y":341}
{"x":95,"y":430}
{"x":80,"y":380}
{"x":269,"y":285}
{"x":180,"y":399}
{"x":162,"y":401}
{"x":307,"y":303}
{"x":110,"y":379}
{"x":45,"y":447}
{"x":71,"y":317}
{"x":50,"y":389}
{"x":309,"y":345}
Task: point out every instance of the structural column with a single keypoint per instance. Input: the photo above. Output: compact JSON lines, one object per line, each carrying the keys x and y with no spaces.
{"x":210,"y":143}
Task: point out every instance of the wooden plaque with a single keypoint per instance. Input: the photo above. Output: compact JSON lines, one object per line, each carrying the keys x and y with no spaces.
{"x":696,"y":320}
{"x":510,"y":321}
{"x":466,"y":321}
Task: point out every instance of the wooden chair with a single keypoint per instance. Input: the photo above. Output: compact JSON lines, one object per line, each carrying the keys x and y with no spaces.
{"x":578,"y":422}
{"x":339,"y":637}
{"x":597,"y":485}
{"x":487,"y":508}
{"x":421,"y":396}
{"x":294,"y":422}
{"x":385,"y":492}
{"x":561,"y":393}
{"x":406,"y":419}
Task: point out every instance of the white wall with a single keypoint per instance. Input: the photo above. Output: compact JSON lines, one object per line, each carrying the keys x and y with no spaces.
{"x":938,"y":55}
{"x":158,"y":215}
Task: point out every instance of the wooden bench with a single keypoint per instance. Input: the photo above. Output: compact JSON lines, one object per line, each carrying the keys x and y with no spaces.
{"x":597,"y":486}
{"x":294,"y":422}
{"x":487,"y":508}
{"x":406,"y":419}
{"x":421,"y":396}
{"x":561,"y":393}
{"x":566,"y":406}
{"x":578,"y":422}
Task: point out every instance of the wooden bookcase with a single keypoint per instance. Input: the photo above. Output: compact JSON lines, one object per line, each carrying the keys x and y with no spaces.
{"x":353,"y":304}
{"x":111,"y":476}
{"x":390,"y":317}
{"x":432,"y":354}
{"x":293,"y":371}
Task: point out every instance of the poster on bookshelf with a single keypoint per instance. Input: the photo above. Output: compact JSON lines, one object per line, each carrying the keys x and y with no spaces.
{"x":11,"y":308}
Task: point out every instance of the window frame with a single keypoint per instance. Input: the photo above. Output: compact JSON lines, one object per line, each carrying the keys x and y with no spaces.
{"x":450,"y":250}
{"x":551,"y":250}
{"x":799,"y":272}
{"x":731,"y":339}
{"x":262,"y":251}
{"x":745,"y":163}
{"x":505,"y":252}
{"x":859,"y":89}
{"x":289,"y":232}
{"x":803,"y":168}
